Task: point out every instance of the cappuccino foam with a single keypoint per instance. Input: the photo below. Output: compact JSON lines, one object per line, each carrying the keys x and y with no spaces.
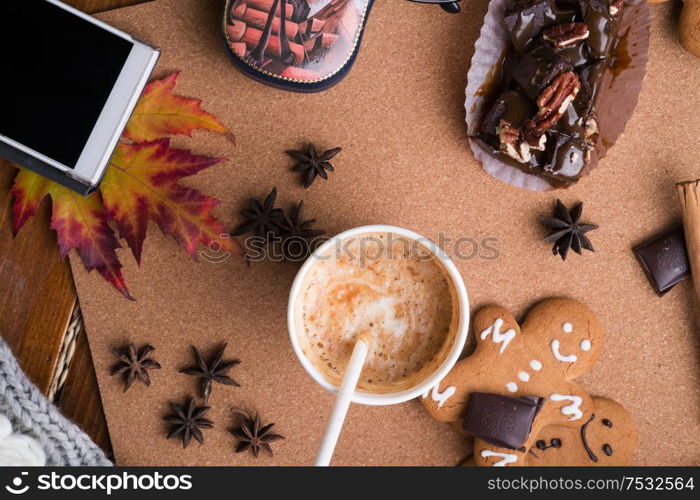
{"x":392,"y":291}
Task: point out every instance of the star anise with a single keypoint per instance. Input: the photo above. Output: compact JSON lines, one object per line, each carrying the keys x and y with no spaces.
{"x":214,"y":371}
{"x":312,"y":164}
{"x":296,"y":233}
{"x":567,"y":232}
{"x":253,"y":435}
{"x":260,"y":218}
{"x":187,"y":421}
{"x":135,"y":365}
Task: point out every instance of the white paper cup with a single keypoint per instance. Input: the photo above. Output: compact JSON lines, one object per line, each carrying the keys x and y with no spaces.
{"x":458,"y":339}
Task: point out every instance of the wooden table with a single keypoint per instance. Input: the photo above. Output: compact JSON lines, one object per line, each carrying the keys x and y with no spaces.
{"x":38,"y":299}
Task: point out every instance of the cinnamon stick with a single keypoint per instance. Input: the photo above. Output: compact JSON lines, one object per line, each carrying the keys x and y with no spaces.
{"x":689,"y":197}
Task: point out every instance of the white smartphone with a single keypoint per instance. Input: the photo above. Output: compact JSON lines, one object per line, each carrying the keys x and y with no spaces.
{"x":68,"y":86}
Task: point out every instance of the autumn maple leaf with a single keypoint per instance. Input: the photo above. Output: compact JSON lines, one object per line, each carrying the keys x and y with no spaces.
{"x":140,"y":185}
{"x":159,"y":113}
{"x":80,"y":223}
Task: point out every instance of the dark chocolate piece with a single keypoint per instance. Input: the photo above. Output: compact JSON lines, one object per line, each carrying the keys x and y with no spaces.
{"x":538,"y":67}
{"x":501,"y":420}
{"x":607,"y":449}
{"x":602,"y":30}
{"x":576,"y":55}
{"x":565,"y":158}
{"x":511,"y":106}
{"x":664,"y":259}
{"x":524,"y":20}
{"x":493,"y":117}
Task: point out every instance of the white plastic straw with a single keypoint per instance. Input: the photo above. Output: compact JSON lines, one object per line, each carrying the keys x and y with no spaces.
{"x":342,"y":403}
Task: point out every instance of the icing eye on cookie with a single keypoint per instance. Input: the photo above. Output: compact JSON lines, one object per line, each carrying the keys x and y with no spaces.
{"x":607,"y":449}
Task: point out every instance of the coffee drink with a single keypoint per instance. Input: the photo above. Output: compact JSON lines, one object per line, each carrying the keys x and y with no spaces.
{"x":388,"y":289}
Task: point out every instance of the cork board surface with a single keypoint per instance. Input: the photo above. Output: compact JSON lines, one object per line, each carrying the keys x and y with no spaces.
{"x":399,"y":117}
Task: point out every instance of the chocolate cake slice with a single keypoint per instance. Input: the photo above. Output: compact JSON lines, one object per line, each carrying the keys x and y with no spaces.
{"x":543,"y":117}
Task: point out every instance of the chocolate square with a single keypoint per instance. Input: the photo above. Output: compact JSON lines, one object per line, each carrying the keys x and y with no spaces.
{"x":602,"y":30}
{"x":565,"y":157}
{"x":538,"y":67}
{"x":664,"y":259}
{"x":511,"y":106}
{"x":500,"y":420}
{"x":524,"y":21}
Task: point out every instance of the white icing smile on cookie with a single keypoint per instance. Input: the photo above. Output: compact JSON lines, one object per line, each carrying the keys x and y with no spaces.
{"x":440,"y":397}
{"x":506,"y":458}
{"x":498,"y":337}
{"x":585,"y":346}
{"x":570,"y":358}
{"x":574,"y":409}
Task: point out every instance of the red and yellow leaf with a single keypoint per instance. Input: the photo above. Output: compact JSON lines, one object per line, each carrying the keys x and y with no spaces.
{"x":160,"y":113}
{"x":28,"y":190}
{"x":141,"y":184}
{"x":80,"y":223}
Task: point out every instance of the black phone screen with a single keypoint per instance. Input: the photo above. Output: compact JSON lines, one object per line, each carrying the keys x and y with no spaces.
{"x":57,"y":73}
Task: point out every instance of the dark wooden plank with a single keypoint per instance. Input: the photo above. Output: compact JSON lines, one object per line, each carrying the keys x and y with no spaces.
{"x":79,"y":399}
{"x":36,"y":288}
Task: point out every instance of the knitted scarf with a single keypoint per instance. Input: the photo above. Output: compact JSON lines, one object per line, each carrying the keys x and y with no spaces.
{"x":34,"y":419}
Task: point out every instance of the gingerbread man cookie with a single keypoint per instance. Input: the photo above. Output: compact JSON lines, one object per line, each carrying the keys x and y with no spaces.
{"x":559,"y":340}
{"x":607,"y":438}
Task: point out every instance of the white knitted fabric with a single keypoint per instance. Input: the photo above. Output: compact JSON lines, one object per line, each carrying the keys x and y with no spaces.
{"x":30,"y":414}
{"x":18,"y":449}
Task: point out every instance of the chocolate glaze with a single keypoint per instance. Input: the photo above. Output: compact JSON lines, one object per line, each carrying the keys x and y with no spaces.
{"x":584,"y":439}
{"x":607,"y":449}
{"x":530,"y":66}
{"x":602,"y":32}
{"x":541,"y":444}
{"x":537,"y":67}
{"x":527,"y":18}
{"x":606,"y":422}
